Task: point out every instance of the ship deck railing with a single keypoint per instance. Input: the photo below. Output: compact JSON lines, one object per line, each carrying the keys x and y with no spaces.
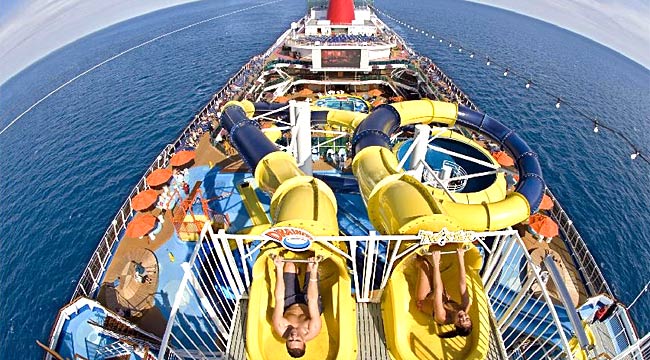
{"x":92,"y":276}
{"x":526,"y":321}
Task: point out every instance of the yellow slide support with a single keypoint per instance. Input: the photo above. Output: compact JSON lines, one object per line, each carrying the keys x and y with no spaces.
{"x":412,"y":334}
{"x":252,"y":204}
{"x":337,"y":338}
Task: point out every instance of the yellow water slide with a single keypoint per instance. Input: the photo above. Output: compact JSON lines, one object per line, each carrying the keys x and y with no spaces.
{"x":412,"y":334}
{"x":399,"y":204}
{"x":337,"y":338}
{"x":299,"y":201}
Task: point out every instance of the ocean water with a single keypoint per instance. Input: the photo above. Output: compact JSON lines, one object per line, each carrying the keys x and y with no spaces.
{"x":68,"y":165}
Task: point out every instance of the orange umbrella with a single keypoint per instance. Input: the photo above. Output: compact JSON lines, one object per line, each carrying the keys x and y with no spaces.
{"x":378,"y":102}
{"x":159,"y":177}
{"x":543,"y":225}
{"x":502,"y":158}
{"x":182,"y":157}
{"x":547,"y":203}
{"x":141,"y":225}
{"x":281,"y":99}
{"x":375,"y":92}
{"x":305,"y":92}
{"x":144,"y":200}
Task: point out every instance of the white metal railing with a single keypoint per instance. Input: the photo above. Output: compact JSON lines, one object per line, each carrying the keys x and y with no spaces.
{"x":204,"y":307}
{"x":219,"y":274}
{"x":113,"y":350}
{"x":637,"y":351}
{"x":594,"y":279}
{"x":528,"y":322}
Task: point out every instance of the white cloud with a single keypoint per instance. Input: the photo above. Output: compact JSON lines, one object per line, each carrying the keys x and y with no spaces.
{"x":621,"y":25}
{"x":42,"y":26}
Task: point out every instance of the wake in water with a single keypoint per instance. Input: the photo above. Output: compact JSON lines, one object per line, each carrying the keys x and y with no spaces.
{"x":126,"y":52}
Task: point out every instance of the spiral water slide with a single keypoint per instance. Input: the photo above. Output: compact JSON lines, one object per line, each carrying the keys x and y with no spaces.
{"x":400,"y":204}
{"x":299,"y":201}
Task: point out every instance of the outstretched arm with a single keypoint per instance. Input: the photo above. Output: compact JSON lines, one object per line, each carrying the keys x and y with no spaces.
{"x":462,"y":281}
{"x":312,"y":300}
{"x":440,"y":314}
{"x":279,"y":323}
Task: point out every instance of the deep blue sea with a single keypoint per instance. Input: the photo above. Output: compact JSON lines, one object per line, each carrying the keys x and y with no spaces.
{"x":68,"y":165}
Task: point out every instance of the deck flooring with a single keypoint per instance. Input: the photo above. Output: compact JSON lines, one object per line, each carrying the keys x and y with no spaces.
{"x":370,"y":332}
{"x":571,"y":276}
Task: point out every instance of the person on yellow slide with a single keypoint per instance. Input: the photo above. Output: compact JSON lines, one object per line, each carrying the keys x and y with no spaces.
{"x":433,"y":299}
{"x":296,"y":317}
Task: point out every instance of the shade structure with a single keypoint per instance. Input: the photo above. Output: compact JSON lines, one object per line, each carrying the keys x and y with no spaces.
{"x":503,"y":158}
{"x":543,"y":225}
{"x":144,"y":200}
{"x":547,"y":203}
{"x":159,"y":177}
{"x":141,"y":225}
{"x":375,"y":92}
{"x":182,"y":158}
{"x":305,"y":92}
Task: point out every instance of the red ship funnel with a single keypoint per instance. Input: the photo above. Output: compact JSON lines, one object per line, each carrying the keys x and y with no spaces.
{"x":340,"y":11}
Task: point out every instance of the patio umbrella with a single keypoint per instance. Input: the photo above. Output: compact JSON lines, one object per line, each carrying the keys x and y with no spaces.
{"x":543,"y":225}
{"x":375,"y":92}
{"x":305,"y":92}
{"x":502,"y":158}
{"x":281,"y":99}
{"x":182,"y":158}
{"x":378,"y":102}
{"x":144,"y":200}
{"x":159,"y":177}
{"x":547,"y":203}
{"x":141,"y":225}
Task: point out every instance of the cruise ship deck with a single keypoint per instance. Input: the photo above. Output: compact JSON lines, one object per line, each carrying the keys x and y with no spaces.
{"x":172,"y":278}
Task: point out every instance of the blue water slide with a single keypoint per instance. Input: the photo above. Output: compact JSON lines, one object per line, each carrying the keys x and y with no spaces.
{"x":375,"y":130}
{"x":531,"y":184}
{"x":246,"y":136}
{"x":264,"y":107}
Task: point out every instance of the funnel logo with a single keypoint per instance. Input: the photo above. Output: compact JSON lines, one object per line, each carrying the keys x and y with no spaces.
{"x":291,"y":238}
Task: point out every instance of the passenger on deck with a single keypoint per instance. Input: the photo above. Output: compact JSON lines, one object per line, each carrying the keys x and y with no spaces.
{"x":432,"y":298}
{"x":296,"y":317}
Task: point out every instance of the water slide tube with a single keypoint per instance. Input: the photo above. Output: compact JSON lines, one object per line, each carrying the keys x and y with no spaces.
{"x":399,"y":204}
{"x":337,"y":338}
{"x":412,"y":334}
{"x":298,"y":201}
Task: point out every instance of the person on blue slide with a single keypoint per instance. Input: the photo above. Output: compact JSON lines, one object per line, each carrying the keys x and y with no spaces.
{"x":432,"y":298}
{"x":296,"y":317}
